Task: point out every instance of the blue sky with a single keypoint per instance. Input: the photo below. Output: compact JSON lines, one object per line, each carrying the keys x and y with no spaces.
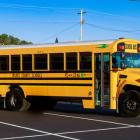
{"x":41,"y":21}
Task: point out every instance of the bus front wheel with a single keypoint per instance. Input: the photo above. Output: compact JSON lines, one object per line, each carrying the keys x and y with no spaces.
{"x":129,"y":104}
{"x":15,"y":101}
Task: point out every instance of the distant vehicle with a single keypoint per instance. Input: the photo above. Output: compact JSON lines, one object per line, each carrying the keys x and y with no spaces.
{"x":99,"y":74}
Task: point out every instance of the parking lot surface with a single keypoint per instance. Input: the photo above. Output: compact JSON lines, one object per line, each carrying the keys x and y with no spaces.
{"x":68,"y":122}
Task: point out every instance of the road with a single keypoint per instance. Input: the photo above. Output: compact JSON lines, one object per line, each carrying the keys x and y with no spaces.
{"x":68,"y":122}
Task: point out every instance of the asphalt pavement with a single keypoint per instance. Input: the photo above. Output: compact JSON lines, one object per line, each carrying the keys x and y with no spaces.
{"x":68,"y":122}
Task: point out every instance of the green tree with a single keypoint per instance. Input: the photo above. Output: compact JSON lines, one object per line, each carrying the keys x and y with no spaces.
{"x":6,"y":39}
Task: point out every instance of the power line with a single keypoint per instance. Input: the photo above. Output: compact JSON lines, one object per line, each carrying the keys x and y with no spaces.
{"x":6,"y":5}
{"x":60,"y":32}
{"x":41,"y":21}
{"x":134,"y":0}
{"x":22,"y":6}
{"x":111,"y":29}
{"x":110,"y":14}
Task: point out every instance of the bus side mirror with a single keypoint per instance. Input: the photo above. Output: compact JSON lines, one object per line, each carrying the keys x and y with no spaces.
{"x":122,"y":55}
{"x":123,"y":64}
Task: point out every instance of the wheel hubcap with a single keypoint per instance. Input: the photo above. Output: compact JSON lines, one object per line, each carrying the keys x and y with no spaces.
{"x":131,"y":105}
{"x":13,"y":101}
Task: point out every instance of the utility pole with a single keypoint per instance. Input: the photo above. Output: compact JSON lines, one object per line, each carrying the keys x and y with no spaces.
{"x":81,"y":24}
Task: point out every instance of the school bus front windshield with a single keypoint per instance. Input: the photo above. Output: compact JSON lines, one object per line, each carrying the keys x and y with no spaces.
{"x":130,"y":60}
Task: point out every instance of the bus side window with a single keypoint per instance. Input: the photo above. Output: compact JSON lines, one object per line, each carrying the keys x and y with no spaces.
{"x":15,"y":62}
{"x":106,"y":62}
{"x":4,"y":63}
{"x":86,"y":61}
{"x":116,"y":59}
{"x":40,"y":61}
{"x":71,"y":61}
{"x":57,"y":61}
{"x":27,"y":62}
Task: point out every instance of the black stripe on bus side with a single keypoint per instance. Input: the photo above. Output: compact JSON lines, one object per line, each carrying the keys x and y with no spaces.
{"x":62,"y":71}
{"x":80,"y":98}
{"x":61,"y":97}
{"x":45,"y":78}
{"x":46,"y":84}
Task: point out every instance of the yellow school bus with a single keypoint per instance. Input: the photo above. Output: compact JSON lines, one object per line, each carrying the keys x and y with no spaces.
{"x":99,"y":74}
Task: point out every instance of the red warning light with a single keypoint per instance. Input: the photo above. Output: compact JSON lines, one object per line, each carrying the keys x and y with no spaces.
{"x":138,"y":47}
{"x":121,"y":47}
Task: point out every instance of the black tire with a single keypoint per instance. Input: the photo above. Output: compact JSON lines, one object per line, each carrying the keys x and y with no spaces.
{"x":129,"y":104}
{"x":15,"y":101}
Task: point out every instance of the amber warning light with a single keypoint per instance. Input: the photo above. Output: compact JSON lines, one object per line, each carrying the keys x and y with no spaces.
{"x":121,"y":47}
{"x":138,"y":47}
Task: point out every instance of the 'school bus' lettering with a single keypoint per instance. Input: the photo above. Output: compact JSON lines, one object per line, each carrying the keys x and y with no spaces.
{"x":131,"y":46}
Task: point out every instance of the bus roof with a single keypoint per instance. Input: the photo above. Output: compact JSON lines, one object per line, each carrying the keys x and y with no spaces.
{"x":58,"y":44}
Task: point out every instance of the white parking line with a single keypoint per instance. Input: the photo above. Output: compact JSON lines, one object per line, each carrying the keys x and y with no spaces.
{"x":72,"y":132}
{"x":89,"y":119}
{"x":22,"y":127}
{"x":39,"y":131}
{"x":23,"y":137}
{"x":138,"y":126}
{"x":96,"y":130}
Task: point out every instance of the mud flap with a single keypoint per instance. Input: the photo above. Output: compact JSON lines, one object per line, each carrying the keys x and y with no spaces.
{"x":88,"y":104}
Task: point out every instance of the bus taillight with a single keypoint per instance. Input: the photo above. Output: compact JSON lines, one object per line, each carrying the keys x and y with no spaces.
{"x":138,"y":47}
{"x":121,"y":47}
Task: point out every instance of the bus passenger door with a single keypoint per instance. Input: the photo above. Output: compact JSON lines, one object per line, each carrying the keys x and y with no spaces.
{"x":102,"y":79}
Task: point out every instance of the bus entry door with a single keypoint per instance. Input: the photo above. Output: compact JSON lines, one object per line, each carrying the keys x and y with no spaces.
{"x":102,"y":79}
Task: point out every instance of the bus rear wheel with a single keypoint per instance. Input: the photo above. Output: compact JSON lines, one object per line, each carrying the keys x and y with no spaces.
{"x":15,"y":101}
{"x":129,"y":104}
